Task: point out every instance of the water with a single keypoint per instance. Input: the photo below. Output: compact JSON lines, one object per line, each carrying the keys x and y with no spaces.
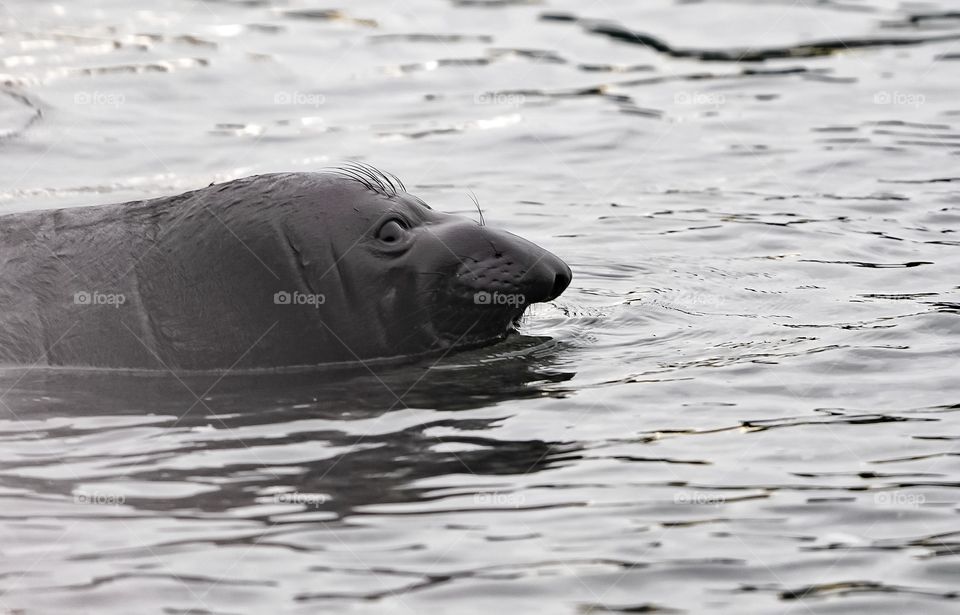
{"x":747,"y":401}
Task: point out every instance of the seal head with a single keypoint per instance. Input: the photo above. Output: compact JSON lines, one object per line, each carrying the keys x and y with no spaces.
{"x":416,"y":278}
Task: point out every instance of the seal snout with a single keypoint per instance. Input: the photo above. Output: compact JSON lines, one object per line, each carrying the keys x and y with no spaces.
{"x":513,"y":267}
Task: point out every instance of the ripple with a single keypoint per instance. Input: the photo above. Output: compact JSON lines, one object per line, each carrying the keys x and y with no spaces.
{"x":18,"y":113}
{"x":811,"y":49}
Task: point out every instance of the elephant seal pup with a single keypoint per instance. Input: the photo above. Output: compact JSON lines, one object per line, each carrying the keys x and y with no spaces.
{"x":276,"y":270}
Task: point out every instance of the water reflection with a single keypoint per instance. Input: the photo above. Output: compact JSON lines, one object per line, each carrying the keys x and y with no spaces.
{"x":325,"y":446}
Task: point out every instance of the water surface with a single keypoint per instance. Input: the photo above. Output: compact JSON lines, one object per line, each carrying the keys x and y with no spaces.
{"x":747,"y":401}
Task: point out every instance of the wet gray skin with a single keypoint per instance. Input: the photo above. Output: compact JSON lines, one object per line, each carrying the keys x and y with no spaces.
{"x":275,"y":270}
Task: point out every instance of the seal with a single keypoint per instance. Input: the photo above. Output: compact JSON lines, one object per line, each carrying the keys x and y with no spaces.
{"x":270,"y":271}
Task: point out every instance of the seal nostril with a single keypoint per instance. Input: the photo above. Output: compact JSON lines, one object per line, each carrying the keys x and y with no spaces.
{"x":560,"y":282}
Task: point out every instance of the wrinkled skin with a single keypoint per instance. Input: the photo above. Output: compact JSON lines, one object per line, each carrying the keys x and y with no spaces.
{"x":189,"y":282}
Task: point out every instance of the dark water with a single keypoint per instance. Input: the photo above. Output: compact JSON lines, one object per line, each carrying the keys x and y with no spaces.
{"x":747,"y":402}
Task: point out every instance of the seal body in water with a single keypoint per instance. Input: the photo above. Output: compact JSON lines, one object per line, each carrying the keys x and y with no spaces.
{"x":269,"y":271}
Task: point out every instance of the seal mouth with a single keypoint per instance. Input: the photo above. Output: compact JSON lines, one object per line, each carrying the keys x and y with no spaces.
{"x":472,"y":324}
{"x":512,"y":320}
{"x":513,"y":326}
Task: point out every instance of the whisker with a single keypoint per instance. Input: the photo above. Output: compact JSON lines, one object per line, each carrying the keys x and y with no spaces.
{"x":476,"y":202}
{"x":373,"y":179}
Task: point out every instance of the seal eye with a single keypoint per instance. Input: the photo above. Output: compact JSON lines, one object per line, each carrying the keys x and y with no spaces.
{"x":391,"y":231}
